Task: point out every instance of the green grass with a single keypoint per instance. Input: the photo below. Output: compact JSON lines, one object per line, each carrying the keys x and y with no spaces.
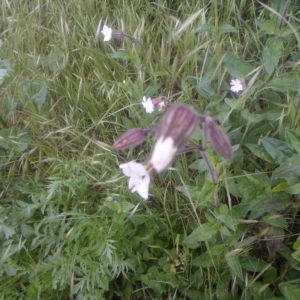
{"x":67,"y":225}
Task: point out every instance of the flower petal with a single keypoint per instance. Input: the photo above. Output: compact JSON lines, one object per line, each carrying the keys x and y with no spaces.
{"x":139,"y":178}
{"x":163,"y":154}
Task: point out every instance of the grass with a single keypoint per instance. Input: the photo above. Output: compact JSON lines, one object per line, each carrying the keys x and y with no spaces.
{"x":68,"y":228}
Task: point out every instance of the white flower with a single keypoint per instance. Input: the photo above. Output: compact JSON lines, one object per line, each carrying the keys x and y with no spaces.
{"x":107,"y":32}
{"x":139,"y":178}
{"x":163,"y":154}
{"x":237,"y":85}
{"x":148,"y":105}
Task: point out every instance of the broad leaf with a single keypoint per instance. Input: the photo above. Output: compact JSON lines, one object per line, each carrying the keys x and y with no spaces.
{"x":227,"y":28}
{"x":290,"y":290}
{"x":289,"y":168}
{"x":236,"y":67}
{"x":203,"y":233}
{"x":271,"y":54}
{"x":278,"y":150}
{"x":285,"y":84}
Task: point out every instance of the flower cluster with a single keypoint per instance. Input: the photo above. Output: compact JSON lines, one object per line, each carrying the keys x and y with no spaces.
{"x":171,"y":135}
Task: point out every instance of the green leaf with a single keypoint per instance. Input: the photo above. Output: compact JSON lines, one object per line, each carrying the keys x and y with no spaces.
{"x":227,"y":28}
{"x":55,"y":61}
{"x":282,"y":186}
{"x":294,"y":189}
{"x":268,"y":26}
{"x":271,"y":54}
{"x":293,"y":138}
{"x":224,"y":215}
{"x":202,"y":195}
{"x":10,"y":270}
{"x":286,"y":84}
{"x":204,"y":88}
{"x":235,"y":66}
{"x":210,"y":257}
{"x":234,"y":265}
{"x":203,"y":233}
{"x":276,"y":221}
{"x":252,"y":264}
{"x":14,"y":138}
{"x":290,"y":290}
{"x":121,"y":54}
{"x":8,"y":232}
{"x":296,"y":247}
{"x":152,"y":90}
{"x":278,"y":150}
{"x":260,"y":152}
{"x":289,"y":169}
{"x":203,"y":28}
{"x":36,"y":91}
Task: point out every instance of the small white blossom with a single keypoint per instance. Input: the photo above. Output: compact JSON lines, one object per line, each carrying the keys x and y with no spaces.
{"x":163,"y":154}
{"x":237,"y":85}
{"x":148,"y":105}
{"x":107,"y":32}
{"x":139,"y":178}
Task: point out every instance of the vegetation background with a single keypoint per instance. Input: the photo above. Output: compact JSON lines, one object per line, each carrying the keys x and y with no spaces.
{"x":67,"y":230}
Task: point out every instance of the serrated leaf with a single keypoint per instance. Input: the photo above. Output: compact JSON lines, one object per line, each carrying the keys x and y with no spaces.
{"x":271,"y":54}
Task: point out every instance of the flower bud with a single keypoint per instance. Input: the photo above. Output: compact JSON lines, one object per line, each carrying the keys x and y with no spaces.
{"x":118,"y":34}
{"x":173,"y":132}
{"x":218,"y":138}
{"x":178,"y":122}
{"x":131,"y":138}
{"x":161,"y":102}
